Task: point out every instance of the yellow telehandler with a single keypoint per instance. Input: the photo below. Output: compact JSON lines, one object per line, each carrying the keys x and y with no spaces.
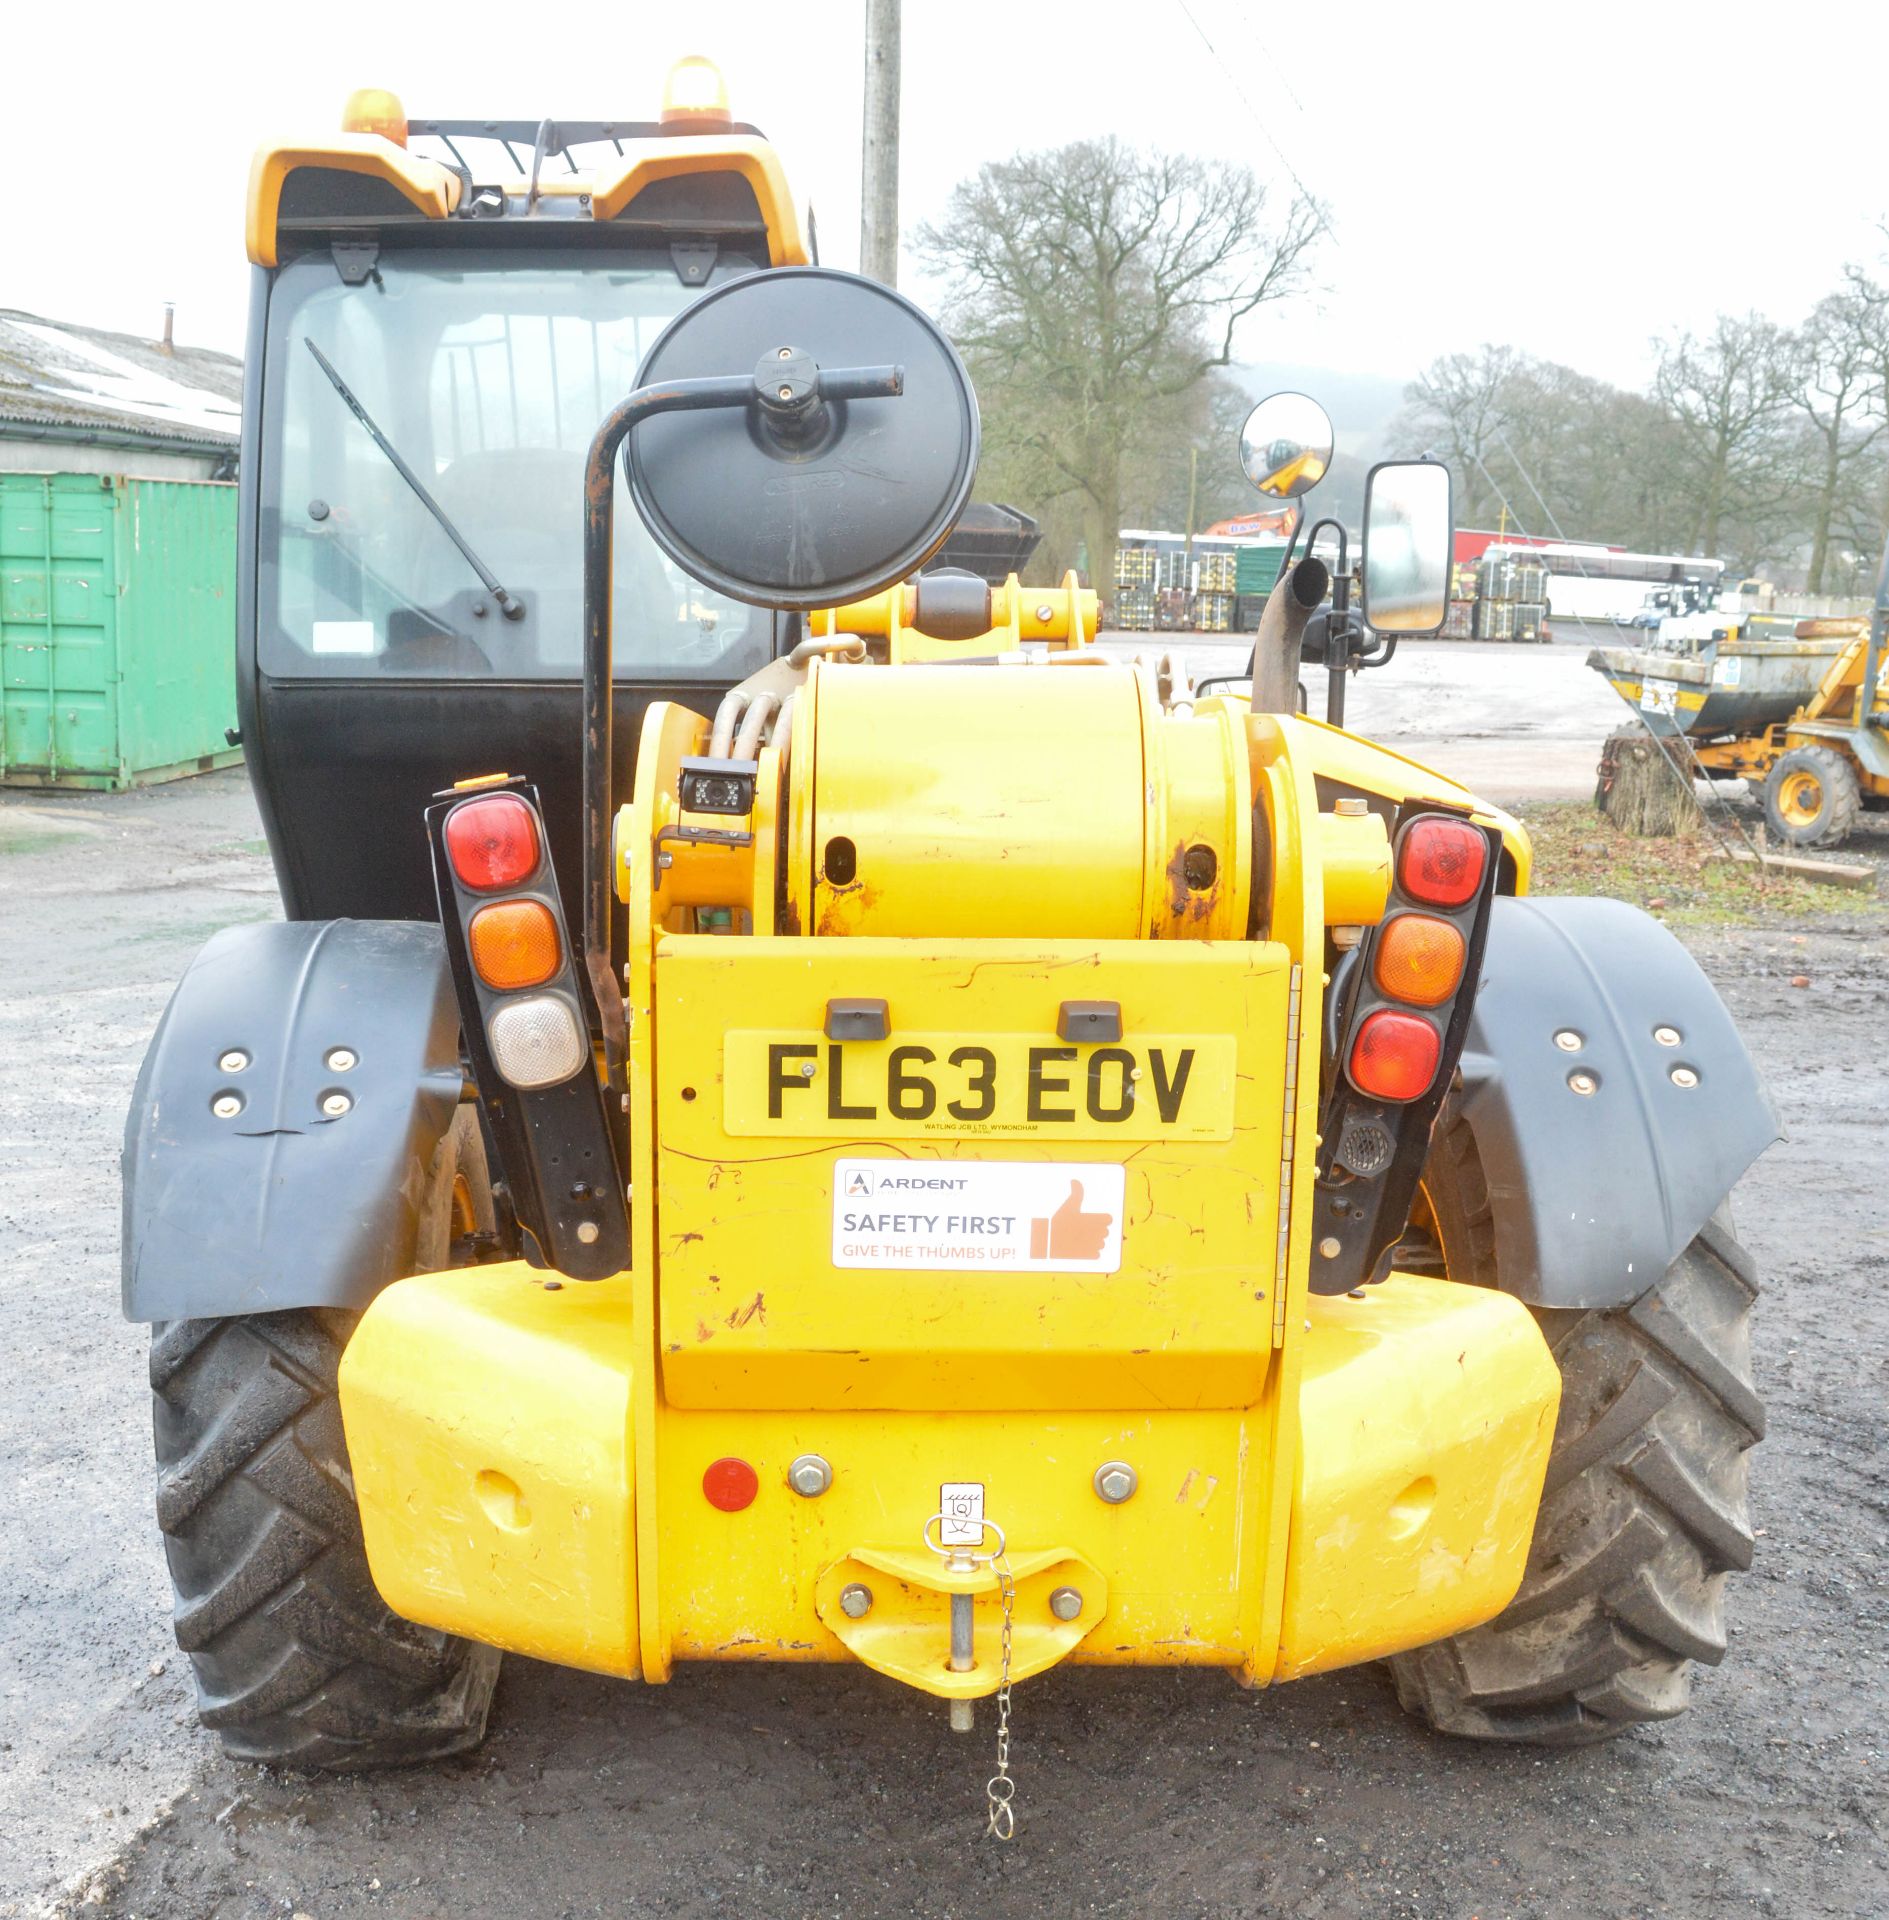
{"x":1002,"y":1164}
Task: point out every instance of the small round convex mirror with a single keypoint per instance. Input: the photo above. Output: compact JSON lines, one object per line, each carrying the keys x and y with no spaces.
{"x":858,"y":496}
{"x":1285,"y":445}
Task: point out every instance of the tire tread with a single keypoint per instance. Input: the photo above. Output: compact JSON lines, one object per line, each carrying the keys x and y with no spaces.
{"x":1643,"y":1514}
{"x":298,"y":1660}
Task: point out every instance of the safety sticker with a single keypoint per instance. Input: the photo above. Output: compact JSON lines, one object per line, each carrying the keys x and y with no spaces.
{"x":1010,"y":1216}
{"x":961,"y":1513}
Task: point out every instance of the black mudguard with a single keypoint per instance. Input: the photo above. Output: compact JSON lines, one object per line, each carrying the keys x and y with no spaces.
{"x":282,"y":1204}
{"x":1596,"y":1194}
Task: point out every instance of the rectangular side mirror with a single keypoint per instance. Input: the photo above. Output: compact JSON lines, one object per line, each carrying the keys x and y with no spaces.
{"x":1408,"y":529}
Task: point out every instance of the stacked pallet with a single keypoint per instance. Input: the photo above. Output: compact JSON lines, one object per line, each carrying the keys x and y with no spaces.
{"x":1137,"y":567}
{"x":1213,"y":613}
{"x":1134,"y":609}
{"x":1219,"y":573}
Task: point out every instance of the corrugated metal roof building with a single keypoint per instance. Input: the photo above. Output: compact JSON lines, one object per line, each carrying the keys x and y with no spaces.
{"x":80,"y":400}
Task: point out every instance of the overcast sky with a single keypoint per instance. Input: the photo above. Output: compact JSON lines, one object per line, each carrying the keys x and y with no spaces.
{"x":1571,"y":179}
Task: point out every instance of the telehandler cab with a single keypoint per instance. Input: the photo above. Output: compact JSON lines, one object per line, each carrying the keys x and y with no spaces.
{"x":1002,"y":1164}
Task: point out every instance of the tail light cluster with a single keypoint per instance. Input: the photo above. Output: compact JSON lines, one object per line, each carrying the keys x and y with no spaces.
{"x":527,"y":1032}
{"x":1418,"y":956}
{"x":1401,"y":1004}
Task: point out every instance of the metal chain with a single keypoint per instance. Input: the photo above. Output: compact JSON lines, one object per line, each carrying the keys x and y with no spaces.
{"x":1000,"y":1788}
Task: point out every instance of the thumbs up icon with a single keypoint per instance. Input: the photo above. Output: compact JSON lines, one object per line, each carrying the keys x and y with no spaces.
{"x":1069,"y":1233}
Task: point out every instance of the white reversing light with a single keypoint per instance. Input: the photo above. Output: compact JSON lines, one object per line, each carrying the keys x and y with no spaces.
{"x":536,"y":1042}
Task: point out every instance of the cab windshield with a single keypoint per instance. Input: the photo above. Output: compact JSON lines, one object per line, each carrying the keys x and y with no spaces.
{"x":488,"y":380}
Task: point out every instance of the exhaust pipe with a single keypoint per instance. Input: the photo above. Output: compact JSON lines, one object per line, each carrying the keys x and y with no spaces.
{"x":1294,"y":599}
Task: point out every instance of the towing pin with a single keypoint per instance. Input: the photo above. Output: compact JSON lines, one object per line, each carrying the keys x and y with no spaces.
{"x":962,"y":1658}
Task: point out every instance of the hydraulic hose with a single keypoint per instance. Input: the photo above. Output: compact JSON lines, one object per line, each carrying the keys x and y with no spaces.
{"x":728,"y":716}
{"x":753,"y":730}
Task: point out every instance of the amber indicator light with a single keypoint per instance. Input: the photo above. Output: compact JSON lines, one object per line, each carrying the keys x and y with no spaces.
{"x":1419,"y":960}
{"x":515,"y":944}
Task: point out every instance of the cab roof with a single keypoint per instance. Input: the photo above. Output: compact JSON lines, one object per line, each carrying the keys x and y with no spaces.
{"x":637,"y":182}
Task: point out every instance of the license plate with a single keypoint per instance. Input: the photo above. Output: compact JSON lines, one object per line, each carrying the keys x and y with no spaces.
{"x":1153,"y":1087}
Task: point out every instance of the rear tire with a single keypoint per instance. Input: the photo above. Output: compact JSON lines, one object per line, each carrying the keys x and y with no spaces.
{"x":298,"y":1660}
{"x":1812,"y":798}
{"x":1644,"y":1510}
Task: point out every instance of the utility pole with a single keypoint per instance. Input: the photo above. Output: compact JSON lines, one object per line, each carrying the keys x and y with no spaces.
{"x":879,"y":168}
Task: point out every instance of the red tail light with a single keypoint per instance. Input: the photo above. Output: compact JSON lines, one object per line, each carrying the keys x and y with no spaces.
{"x":1440,"y":861}
{"x":1395,"y":1055}
{"x":493,"y":842}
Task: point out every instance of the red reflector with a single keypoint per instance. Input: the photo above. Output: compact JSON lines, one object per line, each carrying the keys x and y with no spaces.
{"x":1394,"y":1056}
{"x":730,"y":1484}
{"x":493,"y":842}
{"x":1441,"y":861}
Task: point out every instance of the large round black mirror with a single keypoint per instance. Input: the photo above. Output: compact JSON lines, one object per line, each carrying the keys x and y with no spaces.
{"x":806,"y":505}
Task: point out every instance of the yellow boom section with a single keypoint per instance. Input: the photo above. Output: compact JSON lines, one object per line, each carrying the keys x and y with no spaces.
{"x":973,"y":1114}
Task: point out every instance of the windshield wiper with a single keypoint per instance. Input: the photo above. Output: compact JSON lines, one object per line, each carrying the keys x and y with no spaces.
{"x":510,"y":607}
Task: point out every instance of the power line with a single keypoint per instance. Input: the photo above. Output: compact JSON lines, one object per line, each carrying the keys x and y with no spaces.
{"x":1305,"y":192}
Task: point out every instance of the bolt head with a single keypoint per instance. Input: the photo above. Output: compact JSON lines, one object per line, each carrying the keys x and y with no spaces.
{"x":1115,"y":1481}
{"x":587,"y":1232}
{"x":233,"y":1062}
{"x":855,"y":1601}
{"x":1044,"y":612}
{"x":1568,"y":1040}
{"x":1583,"y":1082}
{"x":226,"y":1106}
{"x":341,"y":1059}
{"x":1666,"y":1036}
{"x":1065,"y":1603}
{"x":1330,"y":1247}
{"x":809,"y":1476}
{"x":334,"y":1105}
{"x":1684,"y":1077}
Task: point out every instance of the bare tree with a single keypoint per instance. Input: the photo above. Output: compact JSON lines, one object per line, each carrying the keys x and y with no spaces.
{"x":1459,"y":408}
{"x":1837,"y":384}
{"x":1724,"y":395}
{"x":1093,"y":288}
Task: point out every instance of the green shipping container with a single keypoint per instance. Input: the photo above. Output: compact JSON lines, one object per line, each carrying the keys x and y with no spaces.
{"x":1256,"y":568}
{"x":117,"y":629}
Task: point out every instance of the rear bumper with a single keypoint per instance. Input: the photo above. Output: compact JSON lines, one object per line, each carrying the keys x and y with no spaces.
{"x":489,"y":1421}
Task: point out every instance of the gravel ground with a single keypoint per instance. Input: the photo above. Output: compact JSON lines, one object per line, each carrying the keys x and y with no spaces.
{"x":1510,"y":722}
{"x":790,"y":1792}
